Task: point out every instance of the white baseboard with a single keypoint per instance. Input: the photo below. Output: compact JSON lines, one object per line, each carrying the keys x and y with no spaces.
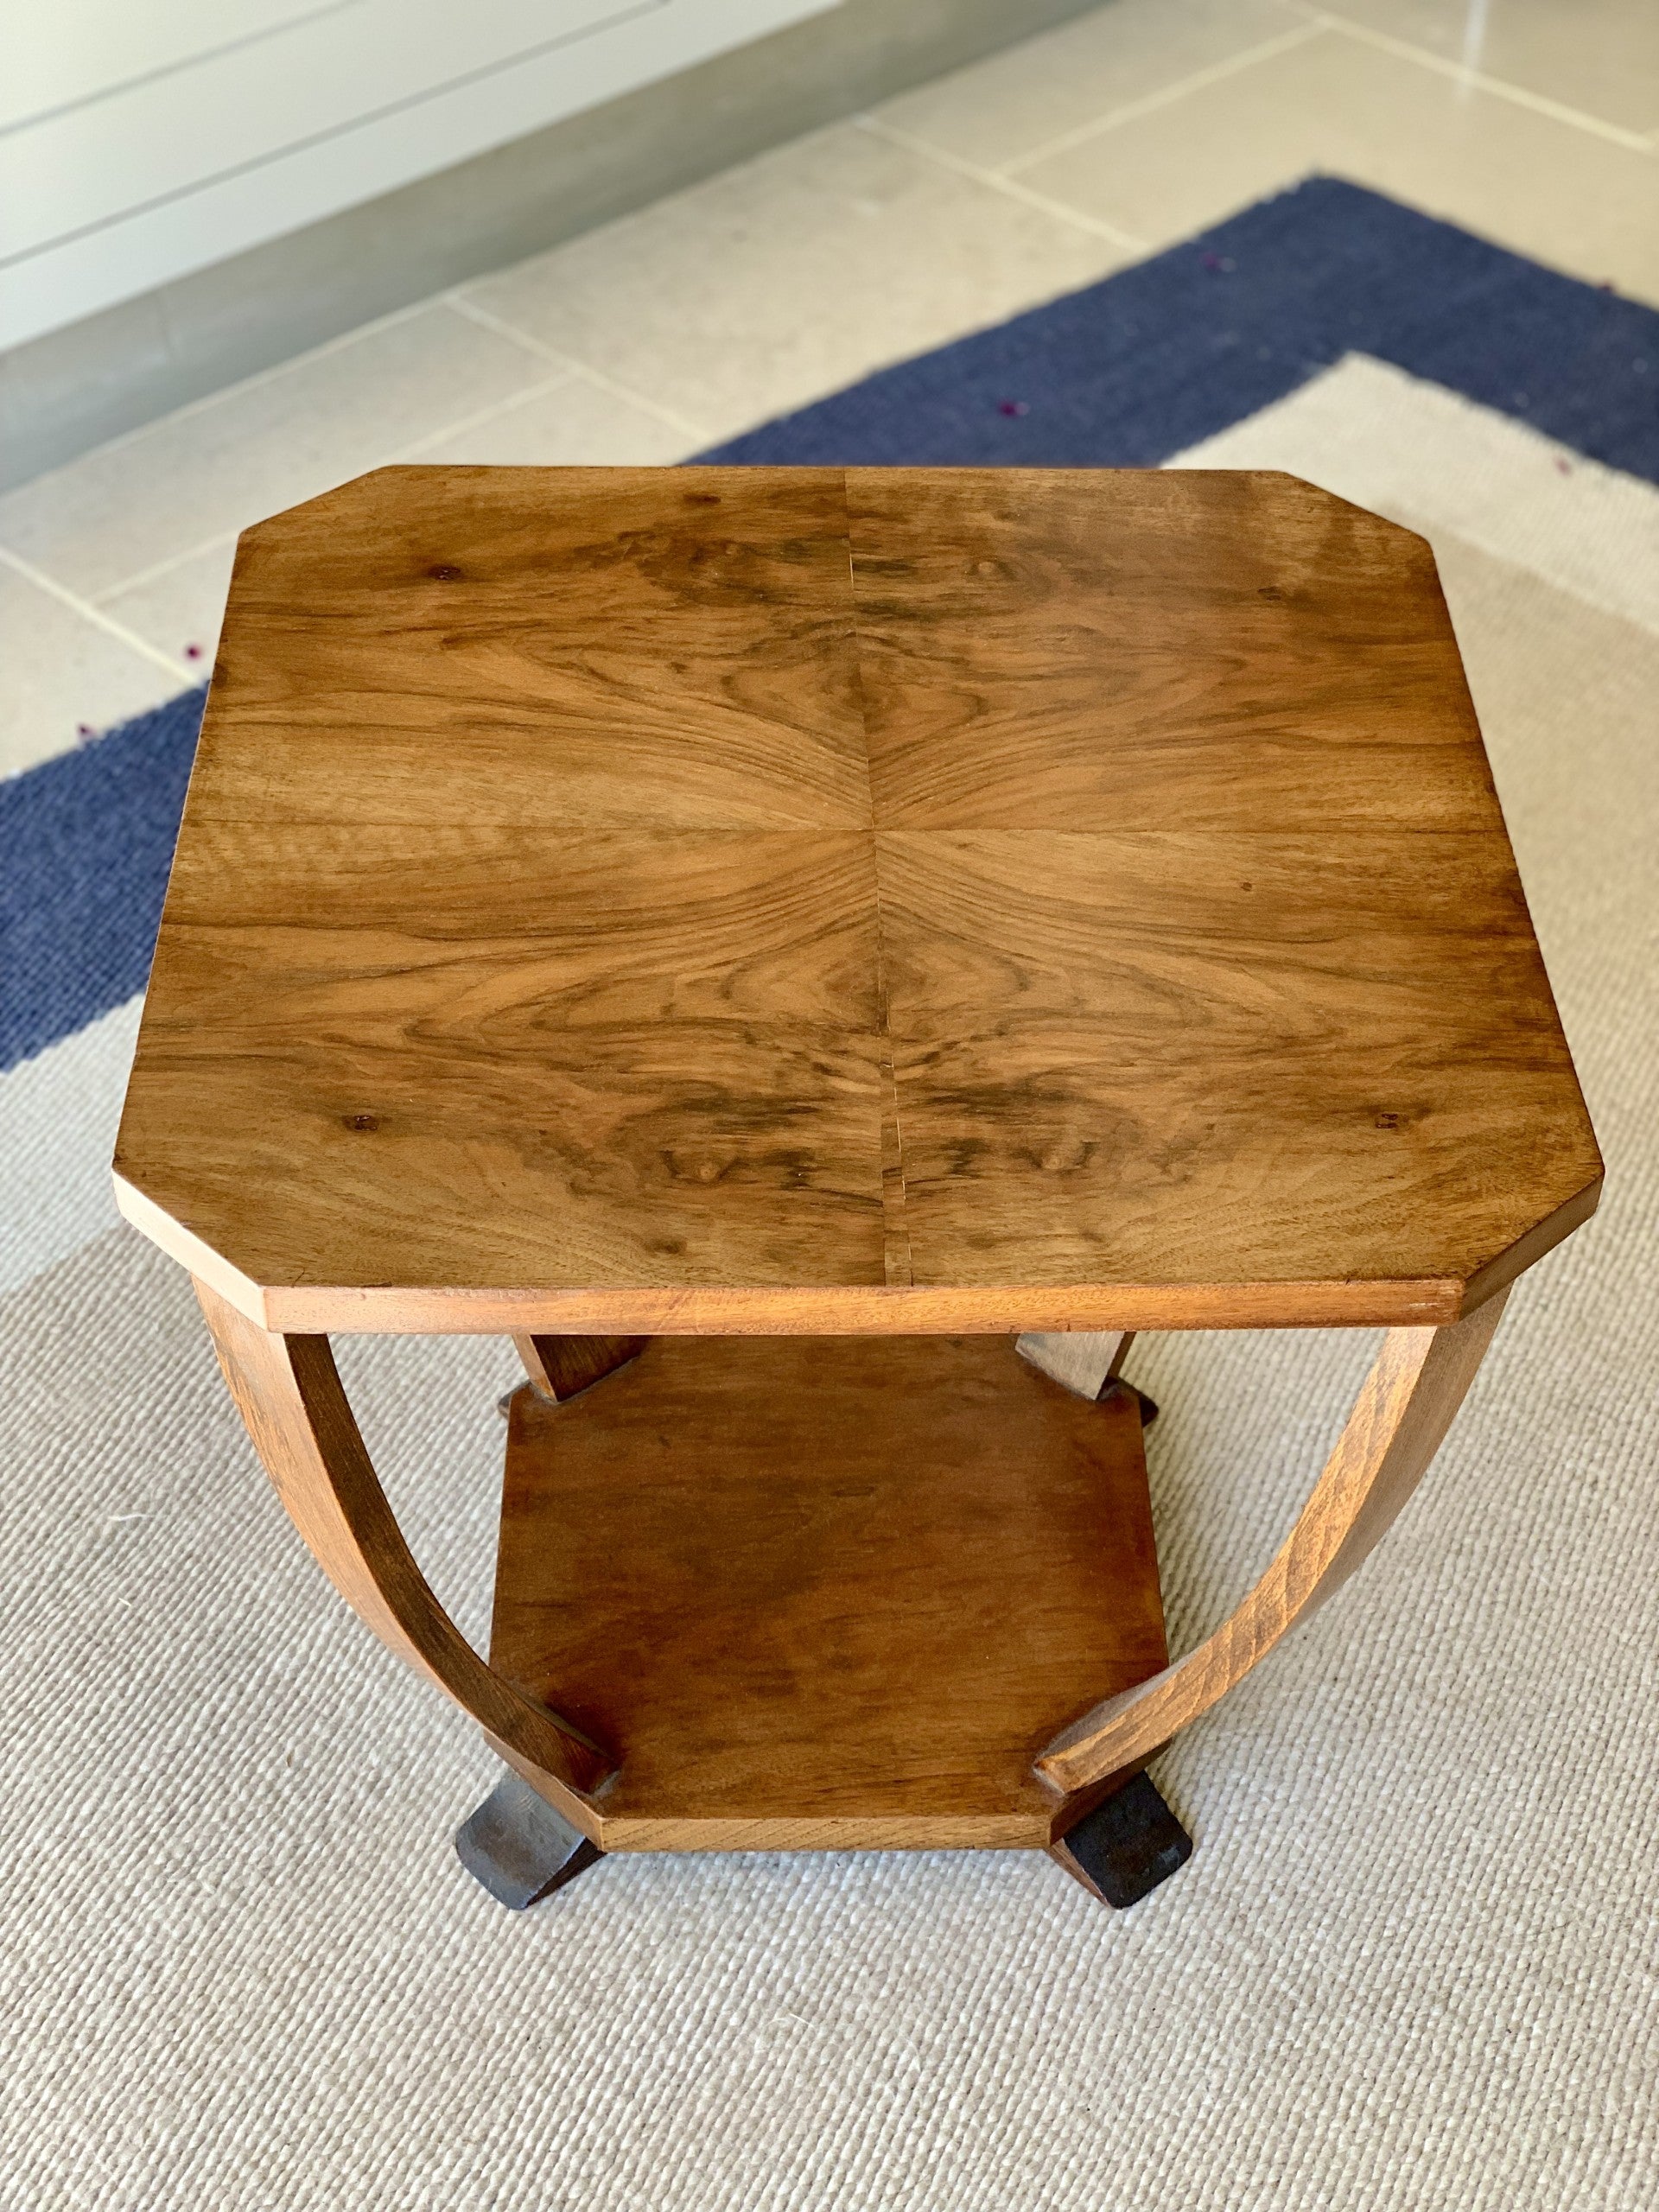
{"x":72,"y":388}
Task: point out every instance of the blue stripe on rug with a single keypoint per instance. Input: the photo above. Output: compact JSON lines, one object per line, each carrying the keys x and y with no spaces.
{"x":1153,"y":360}
{"x":1122,"y":374}
{"x":88,"y":839}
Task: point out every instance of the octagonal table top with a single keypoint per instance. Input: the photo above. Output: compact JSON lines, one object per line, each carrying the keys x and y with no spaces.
{"x":871,"y":900}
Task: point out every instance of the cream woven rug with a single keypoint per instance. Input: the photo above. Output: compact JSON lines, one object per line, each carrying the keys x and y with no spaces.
{"x":1415,"y":1961}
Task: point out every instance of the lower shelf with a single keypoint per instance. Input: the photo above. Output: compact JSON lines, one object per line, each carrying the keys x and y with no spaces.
{"x":826,"y":1592}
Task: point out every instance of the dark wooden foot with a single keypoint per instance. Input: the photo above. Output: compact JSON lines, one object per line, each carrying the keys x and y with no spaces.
{"x":519,"y":1848}
{"x":1126,"y":1847}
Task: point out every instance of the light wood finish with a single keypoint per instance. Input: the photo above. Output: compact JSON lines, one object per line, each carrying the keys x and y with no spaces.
{"x":1084,"y":1362}
{"x":1201,"y":1053}
{"x":845,"y":1311}
{"x":642,"y":901}
{"x":832,"y":1593}
{"x":655,"y":1058}
{"x":1213,"y":651}
{"x":288,"y":1393}
{"x":559,"y":1367}
{"x":1403,"y":1411}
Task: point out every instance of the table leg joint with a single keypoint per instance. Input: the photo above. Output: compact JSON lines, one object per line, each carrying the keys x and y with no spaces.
{"x":1404,"y":1408}
{"x":288,"y":1393}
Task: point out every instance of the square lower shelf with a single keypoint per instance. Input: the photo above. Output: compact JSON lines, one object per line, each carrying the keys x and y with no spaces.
{"x":820,"y":1593}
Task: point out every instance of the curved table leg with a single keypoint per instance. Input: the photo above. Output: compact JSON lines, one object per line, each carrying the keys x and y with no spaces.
{"x":1404,"y":1408}
{"x":289,"y":1392}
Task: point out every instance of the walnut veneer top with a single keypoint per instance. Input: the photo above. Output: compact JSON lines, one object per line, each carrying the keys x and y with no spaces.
{"x":876,"y":899}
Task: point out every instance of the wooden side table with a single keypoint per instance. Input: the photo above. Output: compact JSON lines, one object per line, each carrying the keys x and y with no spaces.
{"x":767,"y":939}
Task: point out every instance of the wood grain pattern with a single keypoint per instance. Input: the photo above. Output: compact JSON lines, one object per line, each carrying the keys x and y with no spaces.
{"x":842,"y":1310}
{"x":578,"y":1059}
{"x":825,"y":1594}
{"x":638,"y":901}
{"x":287,"y":1391}
{"x":1113,"y":650}
{"x":544,"y":648}
{"x":1403,"y":1411}
{"x":1123,"y":1054}
{"x":560,"y":1367}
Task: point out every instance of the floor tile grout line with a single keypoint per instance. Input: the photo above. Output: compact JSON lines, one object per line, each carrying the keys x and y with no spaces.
{"x":1064,"y":211}
{"x":584,"y":372}
{"x":251,"y":383}
{"x":140,"y":577}
{"x":567,"y":372}
{"x":191,"y":408}
{"x":1316,"y":22}
{"x":995,"y":180}
{"x":455,"y":427}
{"x":1285,"y":42}
{"x":573,"y":364}
{"x":477,"y":418}
{"x":95,"y":615}
{"x":1477,"y":79}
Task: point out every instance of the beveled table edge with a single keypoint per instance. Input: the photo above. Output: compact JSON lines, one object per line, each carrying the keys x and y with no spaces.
{"x":848,"y":1309}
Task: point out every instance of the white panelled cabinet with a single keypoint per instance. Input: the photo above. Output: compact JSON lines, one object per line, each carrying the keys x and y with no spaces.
{"x":141,"y":141}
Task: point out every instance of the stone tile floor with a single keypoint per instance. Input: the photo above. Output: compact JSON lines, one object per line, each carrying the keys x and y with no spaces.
{"x":1532,"y":122}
